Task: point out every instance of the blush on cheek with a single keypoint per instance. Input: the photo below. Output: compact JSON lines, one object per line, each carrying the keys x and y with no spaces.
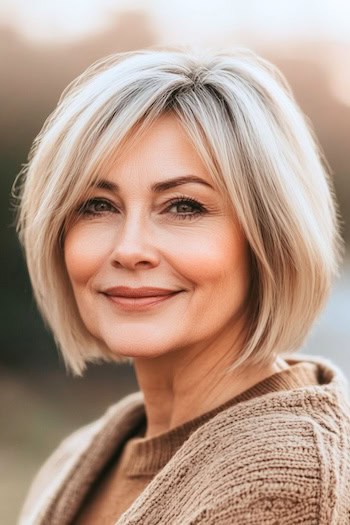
{"x":209,"y":255}
{"x":85,"y":250}
{"x":218,"y":265}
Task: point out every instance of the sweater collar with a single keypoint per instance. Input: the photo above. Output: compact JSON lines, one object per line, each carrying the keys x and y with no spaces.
{"x":147,"y":456}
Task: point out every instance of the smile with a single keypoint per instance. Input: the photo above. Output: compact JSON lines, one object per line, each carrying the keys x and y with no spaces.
{"x":139,"y":303}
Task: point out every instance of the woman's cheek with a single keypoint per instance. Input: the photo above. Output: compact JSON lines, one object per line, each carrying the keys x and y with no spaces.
{"x":86,"y":249}
{"x":211,"y":251}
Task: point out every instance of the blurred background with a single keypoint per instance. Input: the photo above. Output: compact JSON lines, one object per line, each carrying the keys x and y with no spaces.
{"x":47,"y":43}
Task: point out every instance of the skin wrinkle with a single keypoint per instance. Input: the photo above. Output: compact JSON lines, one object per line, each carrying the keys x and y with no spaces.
{"x":180,"y":348}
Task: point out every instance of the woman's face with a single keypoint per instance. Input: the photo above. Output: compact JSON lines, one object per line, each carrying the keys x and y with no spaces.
{"x":144,"y":227}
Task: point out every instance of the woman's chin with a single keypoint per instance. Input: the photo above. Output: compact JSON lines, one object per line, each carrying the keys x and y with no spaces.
{"x":116,"y":352}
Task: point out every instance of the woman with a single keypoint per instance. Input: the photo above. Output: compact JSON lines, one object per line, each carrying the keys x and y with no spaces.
{"x":175,"y":214}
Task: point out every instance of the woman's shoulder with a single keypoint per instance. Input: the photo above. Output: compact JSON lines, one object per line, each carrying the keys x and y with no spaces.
{"x":277,"y":458}
{"x":310,"y":419}
{"x":319,"y":399}
{"x":288,"y":448}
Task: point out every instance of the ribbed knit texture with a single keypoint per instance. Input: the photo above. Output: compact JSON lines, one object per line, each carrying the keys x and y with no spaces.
{"x":277,"y":453}
{"x":142,"y":458}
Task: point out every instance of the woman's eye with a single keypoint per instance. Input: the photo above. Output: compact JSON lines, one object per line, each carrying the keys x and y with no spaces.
{"x":186,"y":208}
{"x":95,"y":207}
{"x":179,"y":208}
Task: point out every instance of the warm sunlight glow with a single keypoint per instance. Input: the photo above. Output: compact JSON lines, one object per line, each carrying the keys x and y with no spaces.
{"x":340,"y":76}
{"x":197,"y":21}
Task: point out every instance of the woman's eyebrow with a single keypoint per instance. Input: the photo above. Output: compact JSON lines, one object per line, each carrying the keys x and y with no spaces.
{"x":157,"y":187}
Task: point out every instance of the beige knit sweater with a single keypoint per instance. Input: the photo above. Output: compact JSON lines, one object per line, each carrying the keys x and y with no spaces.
{"x":282,"y":457}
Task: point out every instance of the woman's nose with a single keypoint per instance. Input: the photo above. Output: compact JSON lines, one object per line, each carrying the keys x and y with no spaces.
{"x":134,"y":245}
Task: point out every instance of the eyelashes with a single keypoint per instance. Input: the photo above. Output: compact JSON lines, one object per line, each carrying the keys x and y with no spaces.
{"x":95,"y":206}
{"x":197,"y":207}
{"x":99,"y":206}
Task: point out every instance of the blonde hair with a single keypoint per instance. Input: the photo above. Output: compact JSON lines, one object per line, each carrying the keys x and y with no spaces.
{"x":240,"y":114}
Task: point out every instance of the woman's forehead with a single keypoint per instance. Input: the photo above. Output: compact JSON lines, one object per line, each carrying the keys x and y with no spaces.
{"x":162,"y":155}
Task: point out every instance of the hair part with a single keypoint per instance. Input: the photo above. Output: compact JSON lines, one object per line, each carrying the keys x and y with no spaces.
{"x":239,"y":112}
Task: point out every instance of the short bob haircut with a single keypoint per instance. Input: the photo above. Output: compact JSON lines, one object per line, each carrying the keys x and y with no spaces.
{"x":240,"y":115}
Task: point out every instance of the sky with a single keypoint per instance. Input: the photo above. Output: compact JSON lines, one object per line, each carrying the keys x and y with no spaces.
{"x":183,"y":21}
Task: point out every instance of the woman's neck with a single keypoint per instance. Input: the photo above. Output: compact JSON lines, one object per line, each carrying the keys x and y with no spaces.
{"x":185,"y":384}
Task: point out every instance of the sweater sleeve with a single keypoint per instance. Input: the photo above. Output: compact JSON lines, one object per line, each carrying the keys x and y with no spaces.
{"x":267,"y":507}
{"x":52,"y":473}
{"x":288,"y":479}
{"x":56,"y":472}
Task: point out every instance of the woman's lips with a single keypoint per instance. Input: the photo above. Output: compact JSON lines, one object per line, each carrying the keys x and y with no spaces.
{"x":139,"y":303}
